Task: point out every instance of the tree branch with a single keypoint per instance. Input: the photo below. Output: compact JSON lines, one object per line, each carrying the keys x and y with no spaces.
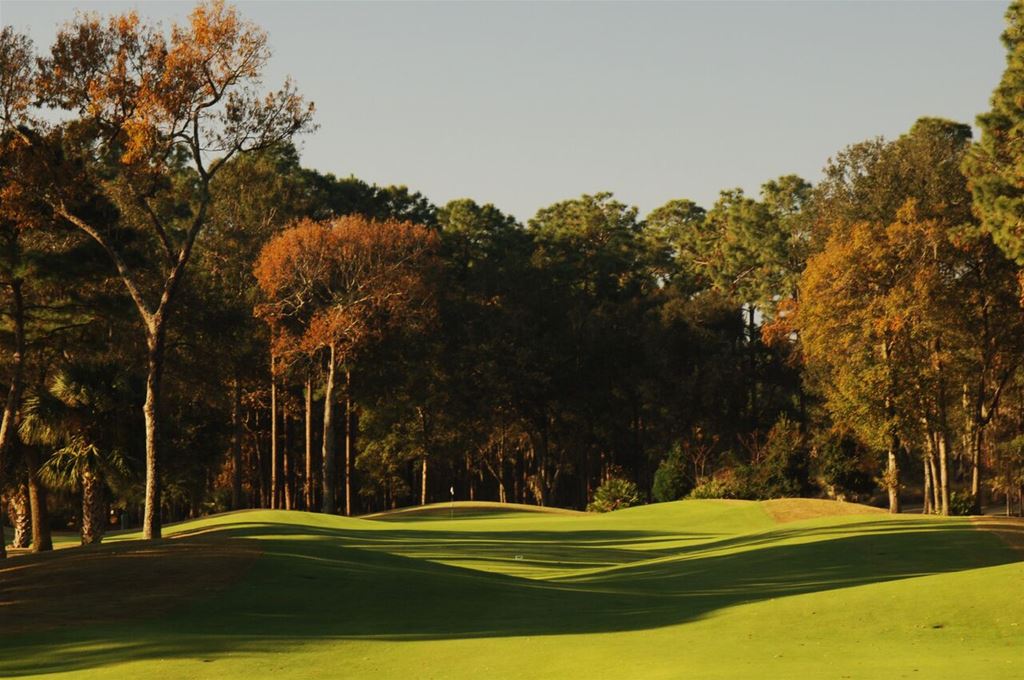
{"x":122,"y":267}
{"x":158,"y":227}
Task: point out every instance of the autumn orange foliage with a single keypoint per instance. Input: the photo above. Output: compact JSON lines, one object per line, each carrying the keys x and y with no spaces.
{"x":154,"y":93}
{"x":342,"y":282}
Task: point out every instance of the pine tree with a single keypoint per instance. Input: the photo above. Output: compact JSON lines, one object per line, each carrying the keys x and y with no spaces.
{"x":995,"y":166}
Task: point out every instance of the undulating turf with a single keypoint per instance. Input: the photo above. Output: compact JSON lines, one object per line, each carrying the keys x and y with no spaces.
{"x":694,"y":589}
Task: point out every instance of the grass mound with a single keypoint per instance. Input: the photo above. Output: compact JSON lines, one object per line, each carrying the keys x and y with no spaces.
{"x":463,"y":510}
{"x":703,"y":589}
{"x":796,"y":509}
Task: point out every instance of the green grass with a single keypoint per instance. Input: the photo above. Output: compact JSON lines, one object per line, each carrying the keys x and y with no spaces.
{"x":694,"y":589}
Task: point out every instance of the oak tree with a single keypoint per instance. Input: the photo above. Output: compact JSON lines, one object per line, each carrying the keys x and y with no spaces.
{"x":150,"y":119}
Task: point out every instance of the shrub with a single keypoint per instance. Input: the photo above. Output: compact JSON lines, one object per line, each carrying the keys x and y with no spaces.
{"x":784,"y":472}
{"x":844,"y":467}
{"x":778,"y":464}
{"x":712,"y":488}
{"x":961,"y":503}
{"x":616,"y":493}
{"x":671,"y":481}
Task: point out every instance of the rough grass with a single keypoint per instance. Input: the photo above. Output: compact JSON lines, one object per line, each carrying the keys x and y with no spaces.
{"x":701,"y":589}
{"x":795,"y":509}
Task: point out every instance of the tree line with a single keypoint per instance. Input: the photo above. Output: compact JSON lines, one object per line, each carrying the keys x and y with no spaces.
{"x":193,"y":322}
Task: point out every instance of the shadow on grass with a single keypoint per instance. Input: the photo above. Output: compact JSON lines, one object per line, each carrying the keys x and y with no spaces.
{"x":315,"y":585}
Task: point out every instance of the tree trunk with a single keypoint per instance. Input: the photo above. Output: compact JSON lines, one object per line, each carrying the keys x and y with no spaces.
{"x":236,"y":444}
{"x":423,"y":483}
{"x":892,"y":476}
{"x":752,"y":357}
{"x":934,"y":469}
{"x":976,"y":442}
{"x":41,"y":540}
{"x":943,"y":474}
{"x":927,"y":484}
{"x":502,"y":494}
{"x":330,"y":465}
{"x":943,"y":430}
{"x":287,"y":464}
{"x":425,"y":430}
{"x":151,"y":521}
{"x":256,"y":463}
{"x":892,"y":470}
{"x":21,"y":518}
{"x":309,"y":442}
{"x":546,"y":481}
{"x":275,"y":463}
{"x":154,"y":323}
{"x":349,"y":437}
{"x":94,"y":517}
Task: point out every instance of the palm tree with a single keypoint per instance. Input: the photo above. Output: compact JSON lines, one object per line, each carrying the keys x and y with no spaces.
{"x":72,"y":417}
{"x":18,"y":513}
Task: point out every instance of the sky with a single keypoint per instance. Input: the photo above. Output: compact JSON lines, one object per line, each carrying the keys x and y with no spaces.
{"x":523,"y":104}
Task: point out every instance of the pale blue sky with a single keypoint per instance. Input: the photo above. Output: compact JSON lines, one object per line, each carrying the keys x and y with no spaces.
{"x":523,"y":104}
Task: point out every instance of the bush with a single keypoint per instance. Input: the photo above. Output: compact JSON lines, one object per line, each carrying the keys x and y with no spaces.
{"x":784,"y":472}
{"x":844,"y":467}
{"x":671,"y":481}
{"x":712,"y":488}
{"x":778,"y":466}
{"x":616,"y":493}
{"x":961,"y":503}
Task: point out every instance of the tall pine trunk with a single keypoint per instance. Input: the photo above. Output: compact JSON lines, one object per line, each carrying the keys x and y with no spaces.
{"x":752,"y":368}
{"x":943,"y":474}
{"x":151,"y":521}
{"x":934,"y":469}
{"x":425,"y":438}
{"x":975,"y":443}
{"x":423,"y":482}
{"x":927,"y":476}
{"x":350,"y":421}
{"x":287,"y":470}
{"x":236,"y":444}
{"x":330,"y":462}
{"x":943,"y":428}
{"x":309,"y":442}
{"x":892,"y":473}
{"x":275,"y":462}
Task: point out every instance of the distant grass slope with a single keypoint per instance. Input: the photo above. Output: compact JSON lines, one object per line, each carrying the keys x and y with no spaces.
{"x":693,"y":589}
{"x":464,"y":509}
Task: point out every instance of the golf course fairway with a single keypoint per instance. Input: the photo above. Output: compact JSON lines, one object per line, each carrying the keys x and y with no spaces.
{"x":691,"y":589}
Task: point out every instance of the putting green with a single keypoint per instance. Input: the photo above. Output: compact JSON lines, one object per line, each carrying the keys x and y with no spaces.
{"x":693,"y":589}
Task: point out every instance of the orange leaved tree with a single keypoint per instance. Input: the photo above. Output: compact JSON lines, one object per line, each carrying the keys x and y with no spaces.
{"x":336,"y":286}
{"x":147,"y":119}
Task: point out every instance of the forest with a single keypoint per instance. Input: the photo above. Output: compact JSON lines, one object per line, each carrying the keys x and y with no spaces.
{"x":191,"y":321}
